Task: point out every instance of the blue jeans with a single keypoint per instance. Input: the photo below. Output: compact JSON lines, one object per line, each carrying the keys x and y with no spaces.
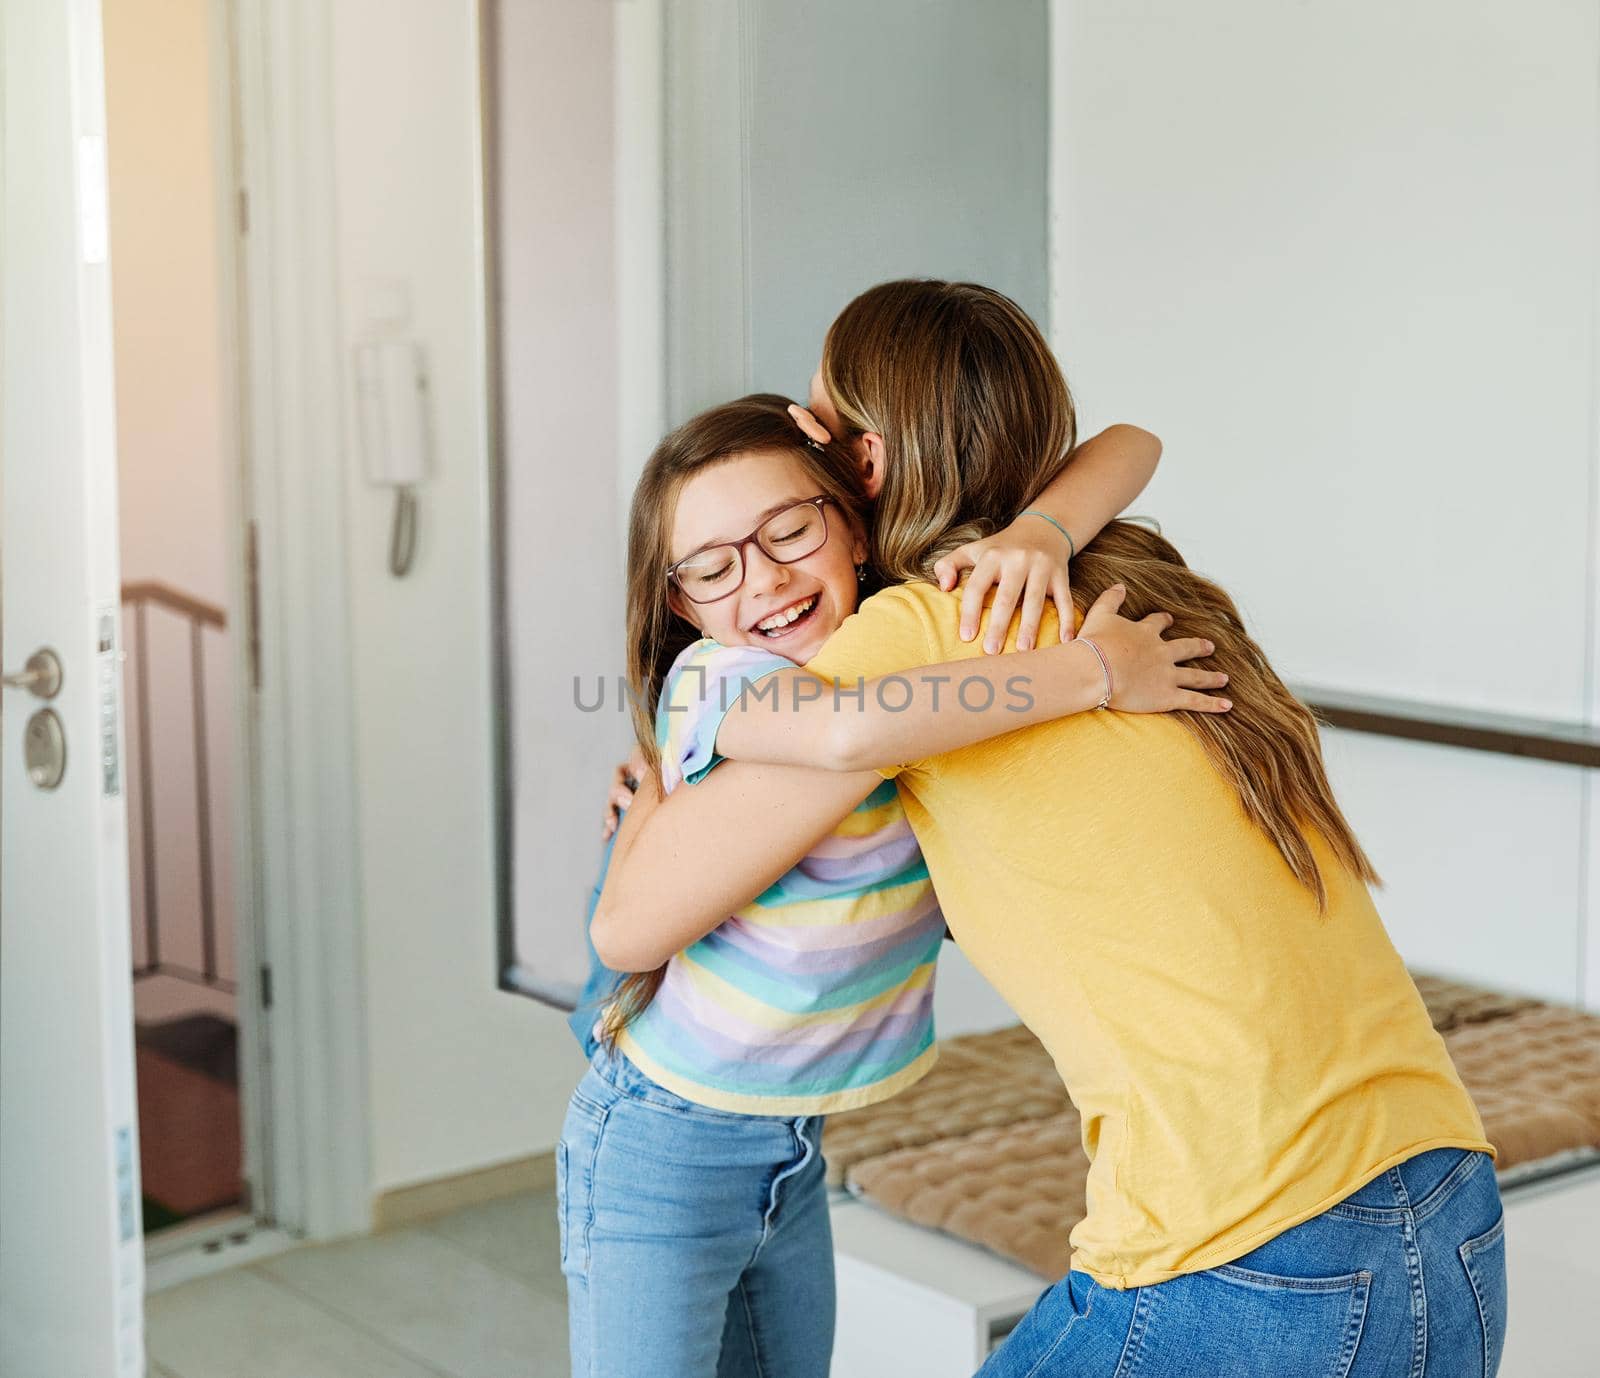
{"x":695,"y":1242}
{"x":1405,"y":1278}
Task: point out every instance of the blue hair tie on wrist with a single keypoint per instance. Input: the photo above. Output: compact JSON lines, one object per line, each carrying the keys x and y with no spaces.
{"x":1072,"y":547}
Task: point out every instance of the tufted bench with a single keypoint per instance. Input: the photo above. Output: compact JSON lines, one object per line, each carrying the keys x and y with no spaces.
{"x":987,"y":1149}
{"x":981,"y":1081}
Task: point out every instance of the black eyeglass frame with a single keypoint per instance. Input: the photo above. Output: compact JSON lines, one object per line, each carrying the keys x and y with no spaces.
{"x":820,"y":502}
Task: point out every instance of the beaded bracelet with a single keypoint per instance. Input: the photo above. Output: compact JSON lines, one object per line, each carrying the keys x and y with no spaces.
{"x":1072,"y":546}
{"x":1105,"y":668}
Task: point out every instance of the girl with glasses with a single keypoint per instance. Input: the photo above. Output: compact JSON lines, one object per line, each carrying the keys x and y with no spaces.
{"x":1287,"y":1176}
{"x":694,"y":1221}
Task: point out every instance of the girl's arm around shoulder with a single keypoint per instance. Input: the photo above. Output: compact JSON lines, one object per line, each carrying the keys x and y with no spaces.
{"x":684,"y":863}
{"x":845,"y":724}
{"x":1028,"y":561}
{"x":1103,"y":476}
{"x":851,"y":725}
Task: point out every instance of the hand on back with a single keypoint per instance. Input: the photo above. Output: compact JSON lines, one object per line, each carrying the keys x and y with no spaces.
{"x":624,"y":781}
{"x":1150,"y":674}
{"x":1027,"y":564}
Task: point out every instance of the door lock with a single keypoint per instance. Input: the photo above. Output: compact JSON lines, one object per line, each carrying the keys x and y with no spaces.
{"x":44,"y":742}
{"x":41,"y":675}
{"x":44,"y":749}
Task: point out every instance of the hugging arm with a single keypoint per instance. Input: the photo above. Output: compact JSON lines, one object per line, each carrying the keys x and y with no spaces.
{"x":1103,"y":476}
{"x":794,"y":717}
{"x":682,"y":864}
{"x":1029,"y":559}
{"x":826,"y":718}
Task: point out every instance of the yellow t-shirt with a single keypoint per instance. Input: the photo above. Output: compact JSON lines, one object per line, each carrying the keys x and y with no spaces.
{"x":1240,"y":1061}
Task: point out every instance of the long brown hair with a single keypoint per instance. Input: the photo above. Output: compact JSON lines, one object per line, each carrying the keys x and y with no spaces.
{"x":757,"y":424}
{"x":976,"y":419}
{"x":980,"y":414}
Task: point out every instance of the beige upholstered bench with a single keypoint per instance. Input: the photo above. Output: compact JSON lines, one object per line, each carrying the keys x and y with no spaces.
{"x":986,"y":1150}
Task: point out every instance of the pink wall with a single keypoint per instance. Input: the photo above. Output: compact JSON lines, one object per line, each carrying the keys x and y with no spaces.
{"x":172,"y":437}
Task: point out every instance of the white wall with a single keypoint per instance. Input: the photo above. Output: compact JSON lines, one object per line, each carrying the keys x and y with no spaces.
{"x":462,"y":1075}
{"x":1343,"y":259}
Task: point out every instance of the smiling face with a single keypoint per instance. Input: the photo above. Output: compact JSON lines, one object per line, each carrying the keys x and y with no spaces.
{"x":787,"y":609}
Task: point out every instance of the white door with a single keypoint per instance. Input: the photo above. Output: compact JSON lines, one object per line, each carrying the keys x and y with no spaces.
{"x":71,"y":1251}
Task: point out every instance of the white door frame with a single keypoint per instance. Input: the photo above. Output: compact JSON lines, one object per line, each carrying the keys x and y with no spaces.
{"x":256,"y":1100}
{"x":308,"y":887}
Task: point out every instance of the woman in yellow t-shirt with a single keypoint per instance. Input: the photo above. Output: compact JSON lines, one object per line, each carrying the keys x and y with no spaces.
{"x":1287,"y":1176}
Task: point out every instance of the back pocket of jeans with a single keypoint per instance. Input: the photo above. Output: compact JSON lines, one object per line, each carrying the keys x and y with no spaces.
{"x":1233,"y":1322}
{"x":1484,"y":1258}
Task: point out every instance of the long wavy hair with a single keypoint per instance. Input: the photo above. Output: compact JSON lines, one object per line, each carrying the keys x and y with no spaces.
{"x":757,"y":424}
{"x":976,"y":420}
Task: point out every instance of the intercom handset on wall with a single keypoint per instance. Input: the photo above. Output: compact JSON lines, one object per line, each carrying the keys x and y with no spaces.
{"x":396,"y":433}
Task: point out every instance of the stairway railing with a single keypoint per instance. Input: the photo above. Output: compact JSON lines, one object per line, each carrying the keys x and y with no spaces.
{"x":139,"y":598}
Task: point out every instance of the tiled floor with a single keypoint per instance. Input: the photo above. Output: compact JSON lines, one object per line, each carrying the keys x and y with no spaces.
{"x":477,"y":1294}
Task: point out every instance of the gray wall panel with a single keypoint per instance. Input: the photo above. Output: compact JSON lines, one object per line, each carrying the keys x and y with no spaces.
{"x":893,"y":139}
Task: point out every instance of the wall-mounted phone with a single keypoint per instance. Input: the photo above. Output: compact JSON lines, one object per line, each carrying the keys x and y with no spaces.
{"x":393,"y":417}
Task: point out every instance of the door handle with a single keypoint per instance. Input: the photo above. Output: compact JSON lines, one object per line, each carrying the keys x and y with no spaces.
{"x":41,"y":675}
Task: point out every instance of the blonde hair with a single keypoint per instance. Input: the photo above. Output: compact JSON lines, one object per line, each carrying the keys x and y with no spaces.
{"x":976,"y":419}
{"x":757,"y":424}
{"x":971,"y":405}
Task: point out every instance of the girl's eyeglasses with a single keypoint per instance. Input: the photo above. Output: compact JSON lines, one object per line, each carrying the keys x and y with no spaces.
{"x":786,"y":536}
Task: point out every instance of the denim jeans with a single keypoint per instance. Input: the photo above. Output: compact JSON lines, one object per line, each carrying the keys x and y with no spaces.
{"x":695,"y":1242}
{"x":1405,"y":1278}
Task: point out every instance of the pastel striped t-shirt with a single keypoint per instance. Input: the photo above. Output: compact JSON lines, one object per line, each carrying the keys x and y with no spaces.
{"x":818,"y":996}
